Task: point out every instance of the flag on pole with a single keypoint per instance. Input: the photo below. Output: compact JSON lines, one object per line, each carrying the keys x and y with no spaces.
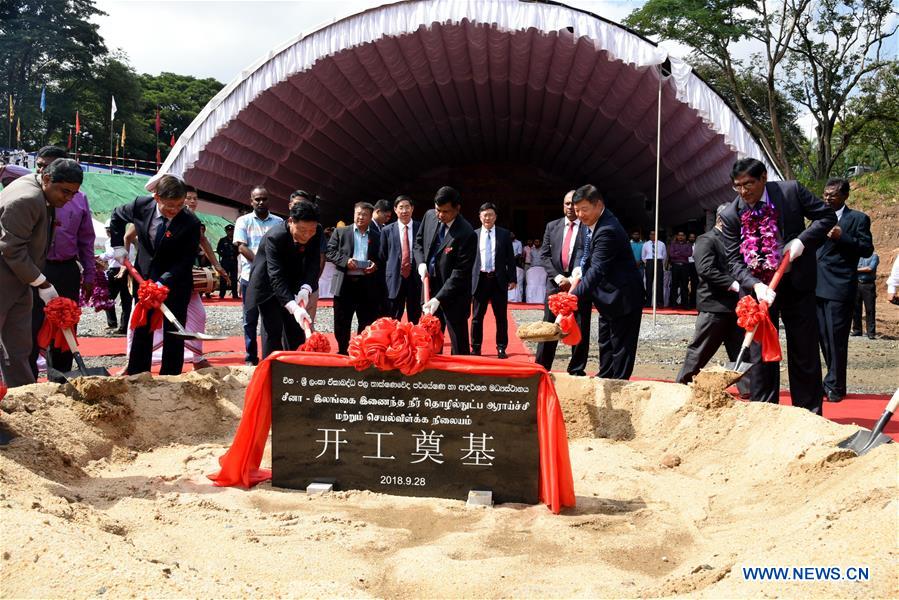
{"x":77,"y":123}
{"x":44,"y":98}
{"x":158,"y":122}
{"x":69,"y":144}
{"x":112,"y":112}
{"x":123,"y":135}
{"x":172,"y":142}
{"x":19,"y":132}
{"x":158,"y":156}
{"x":11,"y":111}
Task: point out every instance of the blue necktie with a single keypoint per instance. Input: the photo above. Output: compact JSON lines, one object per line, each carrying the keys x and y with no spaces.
{"x":488,"y":250}
{"x":588,"y":237}
{"x":160,"y":231}
{"x":441,"y":235}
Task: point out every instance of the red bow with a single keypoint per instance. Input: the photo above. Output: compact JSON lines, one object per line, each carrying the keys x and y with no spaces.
{"x":752,"y":315}
{"x":564,"y":304}
{"x":61,"y":313}
{"x":389,"y":344}
{"x":317,"y":342}
{"x":149,"y":298}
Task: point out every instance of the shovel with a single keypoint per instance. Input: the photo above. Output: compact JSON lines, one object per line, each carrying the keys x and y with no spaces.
{"x":863,"y":441}
{"x":179,"y":329}
{"x":740,"y":366}
{"x":59,"y":377}
{"x":544,"y":331}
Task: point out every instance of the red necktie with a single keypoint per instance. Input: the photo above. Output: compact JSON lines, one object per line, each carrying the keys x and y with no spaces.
{"x":566,"y":245}
{"x":405,"y":262}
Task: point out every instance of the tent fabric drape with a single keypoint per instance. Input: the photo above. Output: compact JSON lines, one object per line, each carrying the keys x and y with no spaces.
{"x":240,"y":465}
{"x":368,"y":100}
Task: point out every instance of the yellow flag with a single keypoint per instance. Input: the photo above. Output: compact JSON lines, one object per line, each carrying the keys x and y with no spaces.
{"x":123,"y":135}
{"x":11,"y":111}
{"x":19,"y":132}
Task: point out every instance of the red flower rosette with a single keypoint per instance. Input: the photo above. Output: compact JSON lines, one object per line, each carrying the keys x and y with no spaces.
{"x":388,"y":344}
{"x":564,"y":305}
{"x":752,"y":315}
{"x":149,"y":298}
{"x":60,"y":313}
{"x":317,"y":342}
{"x":431,"y":325}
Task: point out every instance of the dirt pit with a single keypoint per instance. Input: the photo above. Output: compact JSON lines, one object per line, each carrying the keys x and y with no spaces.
{"x":104,"y":494}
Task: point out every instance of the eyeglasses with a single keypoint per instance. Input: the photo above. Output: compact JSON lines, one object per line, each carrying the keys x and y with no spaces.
{"x":739,"y":187}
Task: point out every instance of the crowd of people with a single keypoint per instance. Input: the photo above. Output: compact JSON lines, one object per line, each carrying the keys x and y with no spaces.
{"x":442,"y":265}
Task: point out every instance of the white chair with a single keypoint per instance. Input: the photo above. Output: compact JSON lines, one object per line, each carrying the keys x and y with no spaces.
{"x":516,"y":295}
{"x":535,"y":285}
{"x":324,"y":281}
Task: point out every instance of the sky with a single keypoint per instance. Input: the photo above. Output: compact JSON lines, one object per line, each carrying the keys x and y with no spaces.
{"x":220,"y":39}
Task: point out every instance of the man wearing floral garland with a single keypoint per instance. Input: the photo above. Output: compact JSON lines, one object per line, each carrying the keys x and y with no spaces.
{"x":766,"y":220}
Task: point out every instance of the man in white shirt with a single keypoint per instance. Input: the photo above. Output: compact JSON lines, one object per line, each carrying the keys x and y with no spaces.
{"x":400,"y":268}
{"x":493,"y":276}
{"x":654,"y":256}
{"x":248,"y":232}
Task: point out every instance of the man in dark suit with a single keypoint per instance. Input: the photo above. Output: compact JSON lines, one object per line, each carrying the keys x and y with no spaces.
{"x":284,"y":276}
{"x":445,"y":249}
{"x":401,"y":271}
{"x":795,"y":298}
{"x":354,"y":251}
{"x":610,"y":279}
{"x":561,"y":253}
{"x":716,"y":299}
{"x":849,"y":240}
{"x":493,"y":275}
{"x":166,"y":239}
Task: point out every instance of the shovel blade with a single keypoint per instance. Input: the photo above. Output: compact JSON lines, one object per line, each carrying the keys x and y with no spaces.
{"x":57,"y":376}
{"x":863,"y":441}
{"x":189,"y":335}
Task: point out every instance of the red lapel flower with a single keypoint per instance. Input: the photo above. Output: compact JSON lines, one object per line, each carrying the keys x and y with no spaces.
{"x":448,"y":250}
{"x":168,"y":233}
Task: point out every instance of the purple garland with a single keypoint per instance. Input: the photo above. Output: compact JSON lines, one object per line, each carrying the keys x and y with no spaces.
{"x":100,"y":299}
{"x":759,"y":246}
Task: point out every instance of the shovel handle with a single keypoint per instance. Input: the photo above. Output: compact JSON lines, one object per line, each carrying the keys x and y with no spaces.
{"x":165,"y":309}
{"x":781,"y":269}
{"x":306,"y":324}
{"x":132,"y":271}
{"x":426,"y":285}
{"x":73,"y":347}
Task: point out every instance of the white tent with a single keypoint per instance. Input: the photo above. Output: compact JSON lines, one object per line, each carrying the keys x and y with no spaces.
{"x":357,"y":105}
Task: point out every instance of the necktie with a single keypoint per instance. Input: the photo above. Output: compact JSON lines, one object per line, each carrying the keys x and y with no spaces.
{"x":588,"y":238}
{"x":160,"y":231}
{"x":566,"y":246}
{"x":405,"y":262}
{"x":488,"y":251}
{"x":438,"y":241}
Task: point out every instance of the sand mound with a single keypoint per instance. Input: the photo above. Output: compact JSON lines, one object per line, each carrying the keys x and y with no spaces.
{"x":104,"y":492}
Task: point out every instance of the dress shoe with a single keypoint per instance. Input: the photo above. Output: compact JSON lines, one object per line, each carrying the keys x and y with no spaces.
{"x":115,"y":326}
{"x":6,"y":436}
{"x":501,"y":352}
{"x":872,"y":336}
{"x":834,"y":397}
{"x":202,"y":364}
{"x":856,"y":334}
{"x":475,"y":350}
{"x":121,"y":331}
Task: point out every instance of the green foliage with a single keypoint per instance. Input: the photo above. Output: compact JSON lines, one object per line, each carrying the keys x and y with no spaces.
{"x":180,"y":99}
{"x":876,"y":190}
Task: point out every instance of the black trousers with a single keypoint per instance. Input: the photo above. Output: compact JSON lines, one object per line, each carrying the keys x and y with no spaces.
{"x":357,"y":297}
{"x":618,"y":344}
{"x":408,"y":300}
{"x":694,"y":284}
{"x":141,"y":357}
{"x":712,"y":330}
{"x":797,"y":310}
{"x":66,"y":278}
{"x":834,"y":320}
{"x":866,"y":297}
{"x":678,"y":292}
{"x":490,"y":292}
{"x":546,"y":351}
{"x":280,"y":331}
{"x":660,"y":291}
{"x":454,"y":318}
{"x":118,"y":288}
{"x":223,"y":285}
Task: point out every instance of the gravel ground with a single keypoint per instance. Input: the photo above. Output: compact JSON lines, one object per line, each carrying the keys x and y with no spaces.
{"x":873,"y":366}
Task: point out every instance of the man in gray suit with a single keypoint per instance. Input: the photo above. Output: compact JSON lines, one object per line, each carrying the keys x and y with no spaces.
{"x":27,"y":215}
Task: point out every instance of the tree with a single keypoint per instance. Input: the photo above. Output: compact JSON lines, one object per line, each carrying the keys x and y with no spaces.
{"x":838,"y":50}
{"x":42,"y":42}
{"x":874,"y":115}
{"x":711,"y":28}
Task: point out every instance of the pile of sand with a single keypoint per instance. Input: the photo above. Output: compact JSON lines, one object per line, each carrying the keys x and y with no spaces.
{"x":104,"y":492}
